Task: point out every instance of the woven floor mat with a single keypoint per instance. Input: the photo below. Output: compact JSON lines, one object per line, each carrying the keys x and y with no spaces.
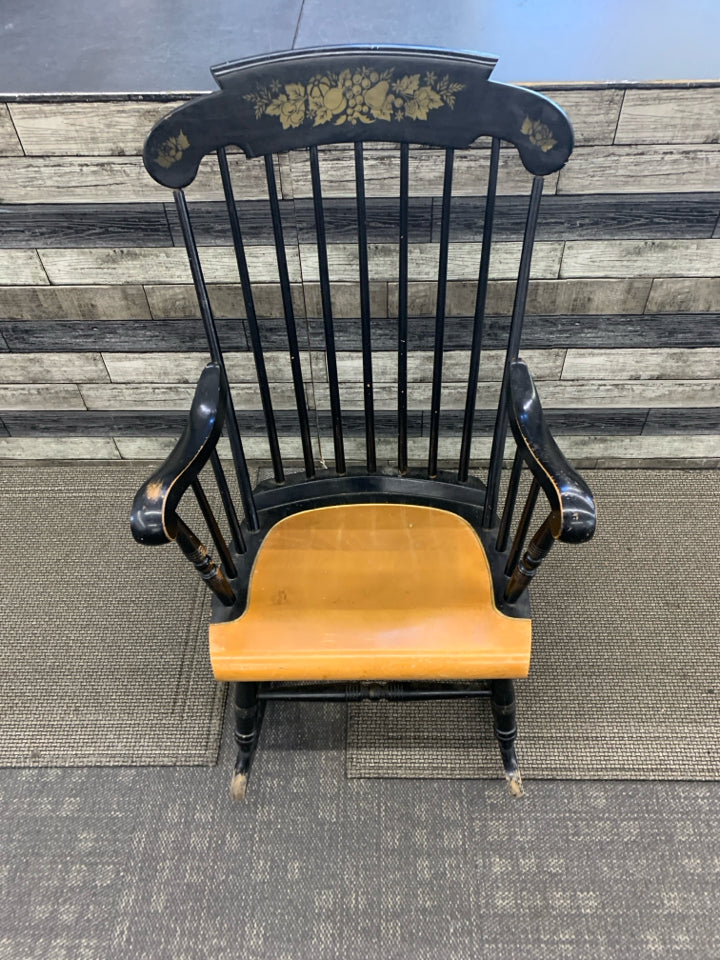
{"x":625,"y":673}
{"x":104,"y":656}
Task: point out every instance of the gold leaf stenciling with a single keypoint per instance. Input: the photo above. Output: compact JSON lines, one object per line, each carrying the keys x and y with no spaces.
{"x":172,"y":150}
{"x":354,"y":96}
{"x":539,"y":134}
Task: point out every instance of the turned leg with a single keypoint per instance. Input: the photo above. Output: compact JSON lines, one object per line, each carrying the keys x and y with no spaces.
{"x":503,"y":708}
{"x":248,"y":716}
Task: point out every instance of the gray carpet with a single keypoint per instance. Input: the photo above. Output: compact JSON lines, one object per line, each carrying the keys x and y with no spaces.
{"x":157,"y":863}
{"x":625,"y":673}
{"x":104,"y":652}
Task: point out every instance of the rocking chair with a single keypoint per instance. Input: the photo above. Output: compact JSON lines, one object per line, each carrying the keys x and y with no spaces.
{"x":365,"y":580}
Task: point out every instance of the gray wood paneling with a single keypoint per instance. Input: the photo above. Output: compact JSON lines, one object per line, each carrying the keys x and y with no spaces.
{"x":643,"y":447}
{"x":593,"y":113}
{"x":601,"y":296}
{"x":630,"y":393}
{"x":40,"y":396}
{"x":174,"y":396}
{"x":642,"y":169}
{"x":3,"y":429}
{"x":186,"y":367}
{"x":211,"y":226}
{"x":545,"y":364}
{"x":463,"y":261}
{"x":162,"y":265}
{"x":641,"y":258}
{"x":588,"y":217}
{"x":52,"y":368}
{"x":684,"y":295}
{"x":74,"y":303}
{"x":695,"y":420}
{"x":667,"y":364}
{"x":178,"y":301}
{"x":136,"y":336}
{"x":9,"y":143}
{"x":115,"y":180}
{"x":59,"y":448}
{"x":21,"y":267}
{"x":673,"y":116}
{"x":84,"y":225}
{"x":85,"y":129}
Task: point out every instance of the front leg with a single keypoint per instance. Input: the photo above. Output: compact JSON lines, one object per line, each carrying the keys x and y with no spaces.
{"x":503,"y":708}
{"x":248,"y":718}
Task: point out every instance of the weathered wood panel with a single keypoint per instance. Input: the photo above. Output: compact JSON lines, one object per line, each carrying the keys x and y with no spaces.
{"x":59,"y":448}
{"x":115,"y":180}
{"x":136,"y":336}
{"x":52,"y":368}
{"x":74,"y":303}
{"x":593,"y":113}
{"x":84,"y":225}
{"x":545,"y":364}
{"x":212,"y":227}
{"x":641,"y":169}
{"x":684,"y":295}
{"x":672,"y":363}
{"x":173,"y":368}
{"x":463,"y":261}
{"x":86,"y":129}
{"x":42,"y":396}
{"x":672,"y":116}
{"x":695,"y":420}
{"x":9,"y":142}
{"x":174,"y":396}
{"x":601,"y":296}
{"x":641,"y":258}
{"x":163,"y":265}
{"x":177,"y":301}
{"x":21,"y":267}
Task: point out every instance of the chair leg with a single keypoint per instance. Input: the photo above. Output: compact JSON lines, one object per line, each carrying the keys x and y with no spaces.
{"x":248,"y":718}
{"x":503,"y":708}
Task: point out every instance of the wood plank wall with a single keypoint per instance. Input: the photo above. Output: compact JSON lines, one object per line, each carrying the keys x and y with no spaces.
{"x":100,"y":340}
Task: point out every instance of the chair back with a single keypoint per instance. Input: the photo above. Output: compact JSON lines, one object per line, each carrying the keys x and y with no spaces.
{"x":403,"y":113}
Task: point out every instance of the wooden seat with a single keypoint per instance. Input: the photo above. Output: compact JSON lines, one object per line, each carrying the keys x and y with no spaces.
{"x":370,"y":592}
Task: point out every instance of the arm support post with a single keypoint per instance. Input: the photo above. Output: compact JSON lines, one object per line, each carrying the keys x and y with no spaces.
{"x":572,"y":515}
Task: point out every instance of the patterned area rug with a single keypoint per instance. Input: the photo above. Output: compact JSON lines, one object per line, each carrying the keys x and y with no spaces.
{"x":104,"y":654}
{"x":625,"y":674}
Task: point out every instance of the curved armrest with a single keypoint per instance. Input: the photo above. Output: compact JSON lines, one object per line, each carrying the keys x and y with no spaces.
{"x":153,"y":519}
{"x":573,"y":516}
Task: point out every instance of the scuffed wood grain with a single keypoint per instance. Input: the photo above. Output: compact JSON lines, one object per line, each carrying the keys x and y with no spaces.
{"x":73,"y":303}
{"x":642,"y":169}
{"x":9,"y":142}
{"x":641,"y":258}
{"x":21,"y":267}
{"x":670,"y":116}
{"x":672,"y":363}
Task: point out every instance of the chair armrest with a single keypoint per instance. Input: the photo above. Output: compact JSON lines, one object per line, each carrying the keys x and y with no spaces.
{"x":153,"y":519}
{"x":573,"y":517}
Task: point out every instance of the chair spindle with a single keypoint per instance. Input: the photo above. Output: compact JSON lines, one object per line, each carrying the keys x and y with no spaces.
{"x":537,"y":550}
{"x":215,"y":531}
{"x":522,"y":527}
{"x":197,"y":554}
{"x":241,"y":468}
{"x":225,"y":496}
{"x":333,"y":383}
{"x":516,"y":325}
{"x":291,"y":328}
{"x":510,"y":498}
{"x":480,"y":301}
{"x":365,"y":309}
{"x":440,"y":313}
{"x":253,"y":328}
{"x":403,"y":310}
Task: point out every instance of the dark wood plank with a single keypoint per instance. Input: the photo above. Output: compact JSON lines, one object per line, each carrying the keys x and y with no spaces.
{"x":590,"y":216}
{"x":382,"y":220}
{"x":663,"y":330}
{"x":84,"y":225}
{"x":684,"y":420}
{"x":3,"y":344}
{"x":118,"y":336}
{"x":561,"y":422}
{"x":212,"y":228}
{"x":3,"y":430}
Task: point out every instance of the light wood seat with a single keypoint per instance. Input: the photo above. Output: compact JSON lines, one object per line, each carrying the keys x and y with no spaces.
{"x":371,"y":591}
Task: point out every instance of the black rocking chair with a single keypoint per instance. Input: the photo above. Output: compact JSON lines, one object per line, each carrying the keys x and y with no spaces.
{"x":364,"y":580}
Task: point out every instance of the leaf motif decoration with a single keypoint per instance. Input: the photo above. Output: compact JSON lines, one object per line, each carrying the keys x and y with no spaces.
{"x":361,"y":95}
{"x":172,"y":150}
{"x":539,"y":134}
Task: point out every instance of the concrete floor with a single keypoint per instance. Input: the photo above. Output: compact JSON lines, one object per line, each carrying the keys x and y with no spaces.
{"x":155,"y":45}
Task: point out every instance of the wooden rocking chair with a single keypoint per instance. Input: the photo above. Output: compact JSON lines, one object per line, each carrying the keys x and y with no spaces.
{"x":358,"y":580}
